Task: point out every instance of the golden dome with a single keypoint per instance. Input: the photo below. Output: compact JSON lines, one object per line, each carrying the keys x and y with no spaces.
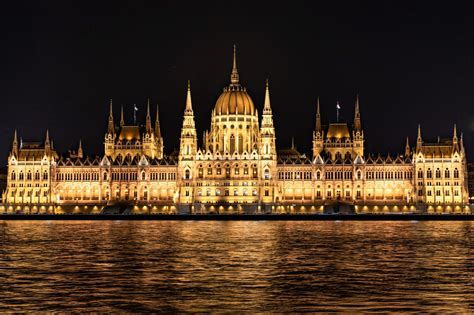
{"x":234,"y":100}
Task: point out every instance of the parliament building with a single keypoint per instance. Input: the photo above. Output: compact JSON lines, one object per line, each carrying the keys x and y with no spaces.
{"x":238,"y":168}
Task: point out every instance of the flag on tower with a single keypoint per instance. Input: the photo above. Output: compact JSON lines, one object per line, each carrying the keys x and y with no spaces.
{"x":337,"y":105}
{"x":135,"y":107}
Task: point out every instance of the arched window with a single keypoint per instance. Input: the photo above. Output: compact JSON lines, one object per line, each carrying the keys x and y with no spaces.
{"x":28,"y":176}
{"x":318,"y":175}
{"x":420,"y":173}
{"x":241,"y":144}
{"x":456,"y":173}
{"x":105,"y":176}
{"x":429,"y":174}
{"x":187,"y":174}
{"x":232,"y":144}
{"x":446,"y":173}
{"x":13,"y":176}
{"x":438,"y":173}
{"x":359,"y":174}
{"x":143,"y":175}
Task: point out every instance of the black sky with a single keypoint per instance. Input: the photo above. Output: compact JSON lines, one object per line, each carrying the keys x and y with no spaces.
{"x":410,"y":63}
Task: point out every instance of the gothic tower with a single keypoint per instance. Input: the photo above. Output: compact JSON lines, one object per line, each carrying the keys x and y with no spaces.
{"x":318,"y":133}
{"x":357,"y":133}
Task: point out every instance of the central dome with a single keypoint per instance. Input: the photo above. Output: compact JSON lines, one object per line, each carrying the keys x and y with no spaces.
{"x":235,"y":99}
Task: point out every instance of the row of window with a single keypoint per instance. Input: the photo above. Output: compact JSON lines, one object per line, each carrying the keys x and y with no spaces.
{"x":347,"y":175}
{"x":429,"y":192}
{"x":447,"y":173}
{"x":116,"y":176}
{"x":29,"y":175}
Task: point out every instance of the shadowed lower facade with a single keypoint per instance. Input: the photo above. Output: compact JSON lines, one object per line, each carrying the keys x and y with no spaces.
{"x":237,"y":168}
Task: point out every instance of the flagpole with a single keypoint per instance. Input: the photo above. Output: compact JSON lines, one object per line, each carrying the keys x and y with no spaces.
{"x":337,"y":111}
{"x":134,"y":114}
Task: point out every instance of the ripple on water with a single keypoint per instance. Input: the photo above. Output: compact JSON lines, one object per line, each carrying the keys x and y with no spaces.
{"x":236,"y":266}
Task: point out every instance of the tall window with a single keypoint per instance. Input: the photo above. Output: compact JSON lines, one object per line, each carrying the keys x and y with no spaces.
{"x":456,"y":173}
{"x":232,"y":144}
{"x":446,"y":173}
{"x":438,"y":173}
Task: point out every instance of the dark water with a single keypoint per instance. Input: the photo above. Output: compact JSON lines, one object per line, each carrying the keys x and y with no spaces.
{"x":127,"y":266}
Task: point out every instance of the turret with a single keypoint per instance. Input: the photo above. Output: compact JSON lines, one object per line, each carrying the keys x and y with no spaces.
{"x":358,"y":133}
{"x":357,"y":123}
{"x":47,"y":144}
{"x":407,"y":148}
{"x":15,"y":144}
{"x":158,"y":137}
{"x":111,"y":127}
{"x":419,"y":140}
{"x":80,"y":154}
{"x":149,"y":129}
{"x":318,"y":132}
{"x":455,"y":140}
{"x":267,"y":130}
{"x":188,"y":142}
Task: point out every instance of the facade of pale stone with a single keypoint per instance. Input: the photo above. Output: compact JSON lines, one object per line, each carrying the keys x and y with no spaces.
{"x":238,"y":167}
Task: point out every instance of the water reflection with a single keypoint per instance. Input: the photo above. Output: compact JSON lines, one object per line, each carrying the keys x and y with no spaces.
{"x":236,"y":266}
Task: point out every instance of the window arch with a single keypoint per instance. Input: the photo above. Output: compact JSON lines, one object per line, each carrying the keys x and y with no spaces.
{"x":456,"y":173}
{"x":187,"y":174}
{"x":446,"y":173}
{"x":429,"y":173}
{"x":438,"y":173}
{"x":13,"y":175}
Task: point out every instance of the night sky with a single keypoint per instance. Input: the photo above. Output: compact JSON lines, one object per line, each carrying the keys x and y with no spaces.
{"x":60,"y":63}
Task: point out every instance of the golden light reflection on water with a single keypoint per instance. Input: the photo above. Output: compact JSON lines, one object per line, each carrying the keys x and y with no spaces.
{"x":236,"y":266}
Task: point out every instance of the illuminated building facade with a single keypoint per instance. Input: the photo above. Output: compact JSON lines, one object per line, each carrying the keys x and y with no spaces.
{"x":238,"y":168}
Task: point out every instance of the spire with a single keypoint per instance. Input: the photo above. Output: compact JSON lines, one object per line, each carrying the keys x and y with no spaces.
{"x":455,"y":139}
{"x":419,"y":141}
{"x":357,"y":123}
{"x":292,"y":143}
{"x":148,"y":118}
{"x":111,"y":128}
{"x":407,"y":148}
{"x":266,"y":106}
{"x":122,"y":120}
{"x":15,"y":144}
{"x":189,"y":106}
{"x":234,"y":77}
{"x":318,"y":117}
{"x":157,"y":123}
{"x":79,"y":150}
{"x":47,"y":144}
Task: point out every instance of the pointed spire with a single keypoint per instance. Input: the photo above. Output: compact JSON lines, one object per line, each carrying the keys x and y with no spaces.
{"x":122,"y":120}
{"x":419,"y":140}
{"x":79,"y":150}
{"x":407,"y":148}
{"x":111,"y":127}
{"x":357,"y":123}
{"x":266,"y":106}
{"x":189,"y":106}
{"x":455,"y":134}
{"x":15,"y":144}
{"x":148,"y":118}
{"x":293,"y":143}
{"x":234,"y":77}
{"x":157,"y":123}
{"x":318,"y":117}
{"x":47,"y":144}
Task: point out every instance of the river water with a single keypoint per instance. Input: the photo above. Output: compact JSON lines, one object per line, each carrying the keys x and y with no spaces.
{"x":236,"y":266}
